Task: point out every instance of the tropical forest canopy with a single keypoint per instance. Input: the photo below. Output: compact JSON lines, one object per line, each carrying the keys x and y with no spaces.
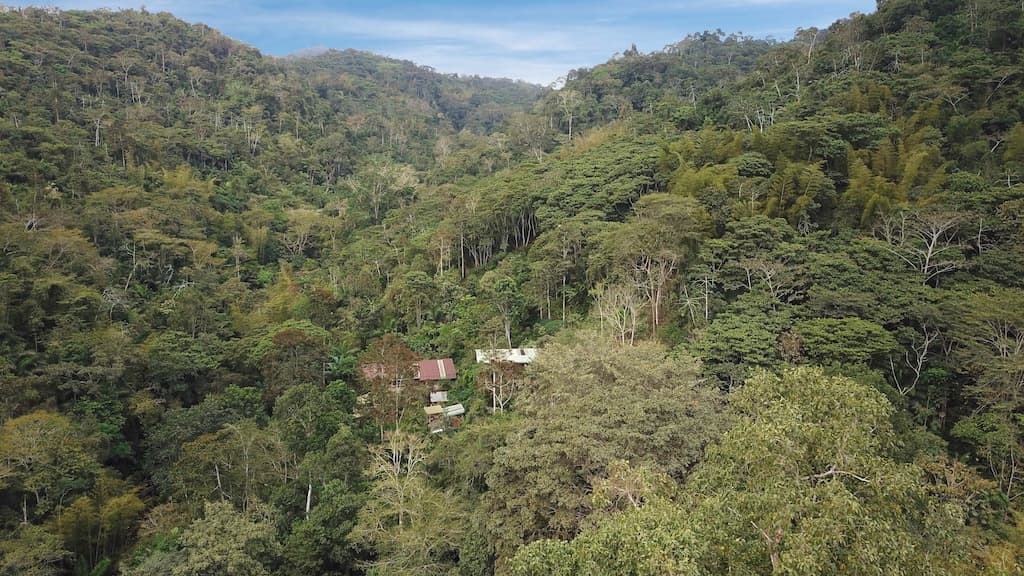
{"x":777,"y":290}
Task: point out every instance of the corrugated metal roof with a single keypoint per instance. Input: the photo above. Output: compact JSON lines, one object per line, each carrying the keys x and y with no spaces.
{"x":515,"y":355}
{"x":426,"y":370}
{"x":443,"y":369}
{"x":454,"y":410}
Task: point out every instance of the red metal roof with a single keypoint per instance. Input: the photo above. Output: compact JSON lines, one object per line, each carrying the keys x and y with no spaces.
{"x":443,"y":369}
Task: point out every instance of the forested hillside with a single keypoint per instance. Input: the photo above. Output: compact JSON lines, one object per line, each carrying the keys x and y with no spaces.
{"x":777,"y":290}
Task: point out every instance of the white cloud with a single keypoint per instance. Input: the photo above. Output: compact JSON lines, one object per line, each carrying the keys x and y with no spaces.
{"x":517,"y":36}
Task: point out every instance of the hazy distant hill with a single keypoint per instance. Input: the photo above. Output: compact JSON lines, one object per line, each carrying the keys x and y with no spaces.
{"x":143,"y":87}
{"x":308,"y":52}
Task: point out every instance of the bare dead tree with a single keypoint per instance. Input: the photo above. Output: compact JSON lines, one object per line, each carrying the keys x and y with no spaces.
{"x":503,"y":380}
{"x":914,"y":360}
{"x":619,"y":305}
{"x":927,"y":241}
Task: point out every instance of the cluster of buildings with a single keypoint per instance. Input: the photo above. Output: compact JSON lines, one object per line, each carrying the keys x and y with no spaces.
{"x":441,"y":373}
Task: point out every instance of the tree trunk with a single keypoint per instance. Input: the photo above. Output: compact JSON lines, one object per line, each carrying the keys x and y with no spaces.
{"x":309,"y":499}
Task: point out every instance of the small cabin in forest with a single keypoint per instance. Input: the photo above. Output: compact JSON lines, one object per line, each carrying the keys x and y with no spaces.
{"x":434,"y":375}
{"x":513,"y":355}
{"x":436,"y":370}
{"x":437,"y":373}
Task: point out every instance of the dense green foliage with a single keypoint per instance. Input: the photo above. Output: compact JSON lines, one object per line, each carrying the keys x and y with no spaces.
{"x":778,"y":289}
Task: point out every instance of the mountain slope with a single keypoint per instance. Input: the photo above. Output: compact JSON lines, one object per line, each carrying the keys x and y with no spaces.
{"x":776,"y":287}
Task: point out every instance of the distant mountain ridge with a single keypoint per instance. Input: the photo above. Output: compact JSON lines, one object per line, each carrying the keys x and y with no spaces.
{"x":127,"y":80}
{"x":309,"y":52}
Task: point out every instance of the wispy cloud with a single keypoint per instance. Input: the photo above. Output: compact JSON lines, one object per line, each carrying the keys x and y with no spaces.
{"x":513,"y":37}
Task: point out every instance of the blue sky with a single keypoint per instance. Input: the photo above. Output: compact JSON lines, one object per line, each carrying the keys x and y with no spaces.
{"x":525,"y":39}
